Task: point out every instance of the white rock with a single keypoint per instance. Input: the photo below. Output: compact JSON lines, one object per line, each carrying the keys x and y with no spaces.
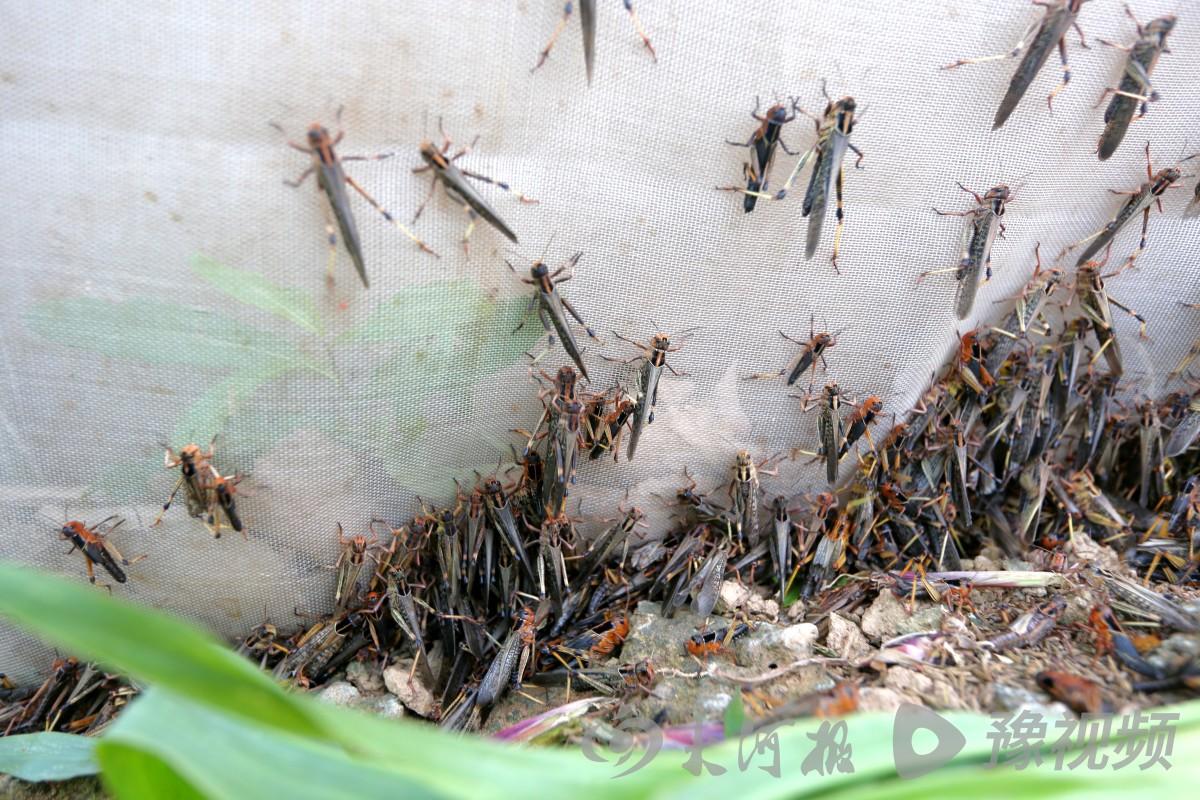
{"x":922,"y":688}
{"x":846,"y":639}
{"x":881,"y":619}
{"x":906,"y":680}
{"x":339,"y":693}
{"x":364,"y":677}
{"x":736,"y":597}
{"x":888,"y":616}
{"x":1090,"y":552}
{"x":796,"y":610}
{"x":715,"y":703}
{"x":874,"y":698}
{"x":412,"y":693}
{"x":799,"y":638}
{"x":388,"y":706}
{"x":765,"y":607}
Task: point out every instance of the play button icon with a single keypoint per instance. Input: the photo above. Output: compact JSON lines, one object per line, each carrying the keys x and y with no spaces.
{"x":911,"y":718}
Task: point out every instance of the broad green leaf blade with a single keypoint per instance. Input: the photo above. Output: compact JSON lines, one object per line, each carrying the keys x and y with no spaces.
{"x":133,"y":773}
{"x":294,"y":305}
{"x":208,"y":415}
{"x":735,"y":716}
{"x":502,"y":343}
{"x":498,"y":770}
{"x":47,"y":756}
{"x":153,"y":332}
{"x":874,"y":776}
{"x":222,"y":756}
{"x":416,"y":313}
{"x":453,"y":361}
{"x":870,"y":736}
{"x":149,"y":646}
{"x":979,"y":781}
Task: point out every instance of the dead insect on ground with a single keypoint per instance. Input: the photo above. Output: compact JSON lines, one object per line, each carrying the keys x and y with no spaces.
{"x":707,"y":644}
{"x":1029,"y":628}
{"x":1078,"y":693}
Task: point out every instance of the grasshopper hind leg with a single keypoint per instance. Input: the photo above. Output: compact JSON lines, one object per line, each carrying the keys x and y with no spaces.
{"x":641,"y":32}
{"x":840,"y":214}
{"x":331,"y":239}
{"x":568,"y":9}
{"x":472,"y":218}
{"x":1066,"y":78}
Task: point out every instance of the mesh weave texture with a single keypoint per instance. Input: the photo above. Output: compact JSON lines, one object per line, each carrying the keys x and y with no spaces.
{"x":135,"y":137}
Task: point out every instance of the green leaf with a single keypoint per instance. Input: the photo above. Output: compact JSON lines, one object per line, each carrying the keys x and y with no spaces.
{"x":149,"y":646}
{"x":133,"y":773}
{"x":209,"y":414}
{"x":735,"y":717}
{"x":294,"y":305}
{"x":124,"y":482}
{"x":417,"y":313}
{"x":500,"y":343}
{"x":257,"y":428}
{"x":498,"y":770}
{"x":216,"y":727}
{"x":978,"y":780}
{"x":163,"y":742}
{"x":47,"y":756}
{"x":153,"y":332}
{"x":473,"y":340}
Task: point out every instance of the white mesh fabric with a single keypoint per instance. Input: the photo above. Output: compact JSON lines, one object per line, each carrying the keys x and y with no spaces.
{"x":135,"y":136}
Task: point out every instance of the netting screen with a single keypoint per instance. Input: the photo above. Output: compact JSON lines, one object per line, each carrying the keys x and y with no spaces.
{"x":163,"y":285}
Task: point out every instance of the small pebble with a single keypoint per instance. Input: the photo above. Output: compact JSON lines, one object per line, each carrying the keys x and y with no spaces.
{"x":364,"y":677}
{"x":846,"y":639}
{"x":412,"y":693}
{"x":339,"y":693}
